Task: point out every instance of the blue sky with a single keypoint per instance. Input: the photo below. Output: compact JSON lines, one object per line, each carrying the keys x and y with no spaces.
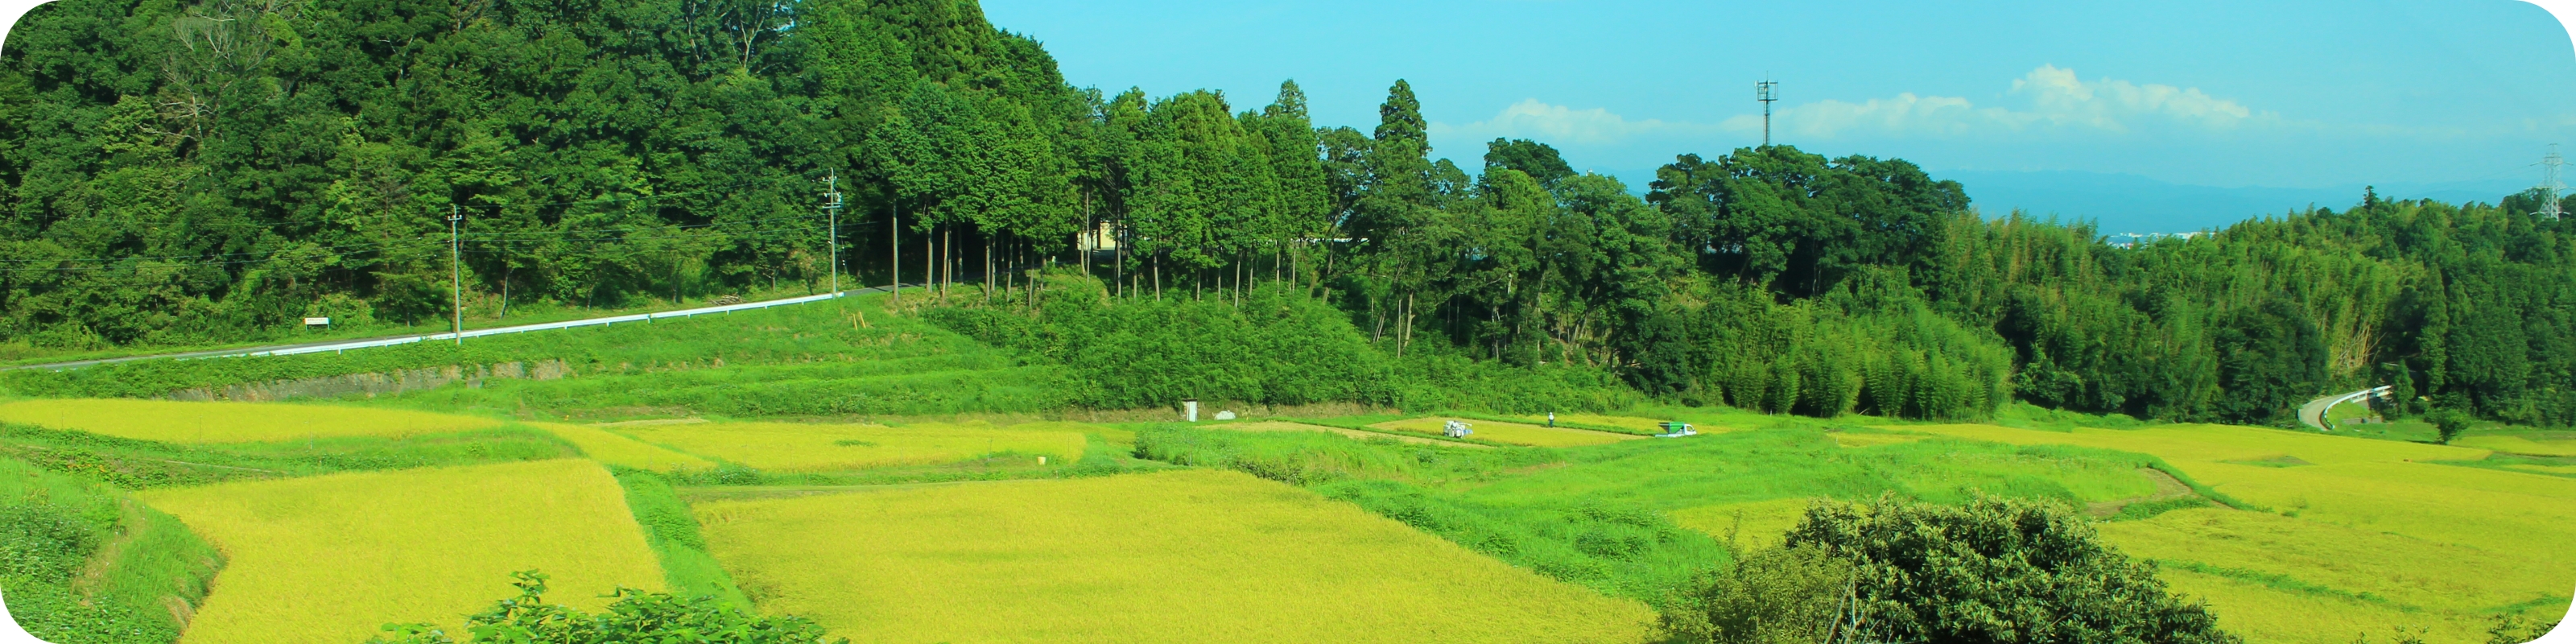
{"x":2270,"y":98}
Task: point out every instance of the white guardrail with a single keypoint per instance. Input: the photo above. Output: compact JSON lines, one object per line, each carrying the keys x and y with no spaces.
{"x":524,"y":328}
{"x":2314,"y":413}
{"x":2381,"y":390}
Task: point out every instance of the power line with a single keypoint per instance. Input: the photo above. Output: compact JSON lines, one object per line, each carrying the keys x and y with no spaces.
{"x":285,"y":254}
{"x":806,"y":175}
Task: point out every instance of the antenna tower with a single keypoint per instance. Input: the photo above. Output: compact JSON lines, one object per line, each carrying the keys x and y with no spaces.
{"x":1768,"y":91}
{"x":2550,"y":188}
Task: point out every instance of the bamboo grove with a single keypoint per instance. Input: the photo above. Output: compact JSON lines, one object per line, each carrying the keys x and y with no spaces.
{"x":193,"y":171}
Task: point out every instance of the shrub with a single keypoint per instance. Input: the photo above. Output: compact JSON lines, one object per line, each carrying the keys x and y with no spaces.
{"x":636,"y":616}
{"x":1776,"y":596}
{"x":2511,"y":628}
{"x":2450,"y":423}
{"x":1996,"y":570}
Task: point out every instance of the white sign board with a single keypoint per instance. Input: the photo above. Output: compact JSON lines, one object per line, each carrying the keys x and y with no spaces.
{"x":317,"y":321}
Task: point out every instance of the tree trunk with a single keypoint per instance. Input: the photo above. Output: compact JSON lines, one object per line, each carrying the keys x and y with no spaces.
{"x":506,"y":269}
{"x":1082,"y":240}
{"x":1404,"y":334}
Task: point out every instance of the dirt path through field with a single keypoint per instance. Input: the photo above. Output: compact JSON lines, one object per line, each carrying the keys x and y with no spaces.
{"x":1284,"y":426}
{"x":2167,"y":488}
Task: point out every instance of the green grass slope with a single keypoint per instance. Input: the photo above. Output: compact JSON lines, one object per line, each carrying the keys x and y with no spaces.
{"x":82,"y":563}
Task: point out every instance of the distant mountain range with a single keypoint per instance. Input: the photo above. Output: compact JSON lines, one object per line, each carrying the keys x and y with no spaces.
{"x":2128,"y":203}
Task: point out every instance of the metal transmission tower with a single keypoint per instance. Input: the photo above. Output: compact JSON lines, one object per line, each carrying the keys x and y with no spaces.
{"x":832,"y":206}
{"x":1766,"y":91}
{"x":2550,"y":188}
{"x":456,"y":273}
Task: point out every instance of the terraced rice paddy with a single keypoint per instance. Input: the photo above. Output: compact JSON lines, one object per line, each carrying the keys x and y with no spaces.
{"x":1192,"y":556}
{"x":2212,"y":443}
{"x":615,"y":449}
{"x":1512,"y":433}
{"x":1859,"y":440}
{"x":1284,"y":426}
{"x":2519,"y":445}
{"x":792,"y":447}
{"x":230,"y":422}
{"x":333,"y":558}
{"x":2561,"y":470}
{"x":1753,"y":524}
{"x":2439,"y":545}
{"x":2277,"y":578}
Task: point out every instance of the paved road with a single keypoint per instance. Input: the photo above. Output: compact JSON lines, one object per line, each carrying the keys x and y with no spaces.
{"x":2313,"y":414}
{"x":344,"y":345}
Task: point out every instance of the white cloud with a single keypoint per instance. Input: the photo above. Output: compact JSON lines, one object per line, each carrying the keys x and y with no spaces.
{"x":2054,"y":100}
{"x":1558,"y":124}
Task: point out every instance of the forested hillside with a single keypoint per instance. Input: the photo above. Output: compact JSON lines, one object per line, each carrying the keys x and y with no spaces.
{"x":192,"y":172}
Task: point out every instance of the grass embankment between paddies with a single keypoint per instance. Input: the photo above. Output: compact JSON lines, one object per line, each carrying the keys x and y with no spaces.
{"x":1596,"y":515}
{"x":2352,"y":535}
{"x":2531,"y":445}
{"x":1190,"y":556}
{"x":141,"y":464}
{"x":1365,"y":435}
{"x":229,"y":422}
{"x":86,"y":563}
{"x":333,"y":558}
{"x":674,"y":535}
{"x":793,"y":447}
{"x":617,"y":449}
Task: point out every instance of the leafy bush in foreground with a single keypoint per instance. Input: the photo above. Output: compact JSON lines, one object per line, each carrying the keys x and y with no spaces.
{"x":1990,"y":570}
{"x":636,"y":616}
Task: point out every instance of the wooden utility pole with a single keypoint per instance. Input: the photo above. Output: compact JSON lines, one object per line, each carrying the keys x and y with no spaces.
{"x":456,"y":274}
{"x":894,"y":249}
{"x":832,"y":206}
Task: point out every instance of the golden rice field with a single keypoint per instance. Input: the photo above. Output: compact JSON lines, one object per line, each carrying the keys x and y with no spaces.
{"x":333,"y":558}
{"x":230,"y":422}
{"x":1185,"y":556}
{"x":1512,"y":433}
{"x":2281,"y":579}
{"x":2519,"y":445}
{"x":1285,"y":426}
{"x":2211,"y":443}
{"x":2387,"y":520}
{"x":1754,"y":524}
{"x":811,"y":448}
{"x":615,"y":449}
